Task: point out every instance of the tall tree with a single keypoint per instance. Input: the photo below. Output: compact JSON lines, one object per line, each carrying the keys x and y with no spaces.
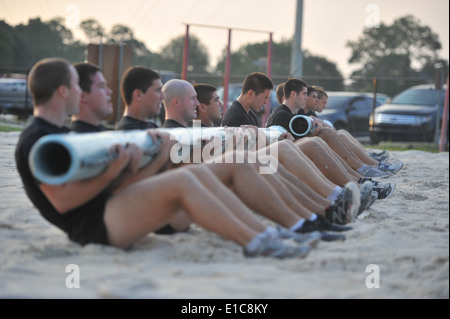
{"x":172,"y":55}
{"x":93,"y":30}
{"x":7,"y":43}
{"x":402,"y":50}
{"x":37,"y":40}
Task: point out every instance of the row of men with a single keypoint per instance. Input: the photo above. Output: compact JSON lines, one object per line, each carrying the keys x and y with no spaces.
{"x":309,"y":200}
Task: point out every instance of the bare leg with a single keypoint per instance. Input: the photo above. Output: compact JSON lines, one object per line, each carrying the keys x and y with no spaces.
{"x":328,"y":164}
{"x":257,"y":192}
{"x":356,"y":147}
{"x":127,"y":215}
{"x":301,"y":166}
{"x":330,"y":137}
{"x":308,"y":197}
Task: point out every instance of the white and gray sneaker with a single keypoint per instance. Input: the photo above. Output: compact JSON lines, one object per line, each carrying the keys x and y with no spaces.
{"x":369,"y":171}
{"x":356,"y":200}
{"x":384,"y":189}
{"x":392,"y":168}
{"x":372,"y":199}
{"x":379,"y":156}
{"x":311,"y":239}
{"x":366,"y":193}
{"x":267,"y":245}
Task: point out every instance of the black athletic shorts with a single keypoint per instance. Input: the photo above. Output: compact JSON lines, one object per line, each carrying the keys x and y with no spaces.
{"x":88,"y":224}
{"x":169,"y":230}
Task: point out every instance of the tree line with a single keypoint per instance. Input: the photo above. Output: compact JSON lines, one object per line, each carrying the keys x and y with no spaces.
{"x":398,"y":54}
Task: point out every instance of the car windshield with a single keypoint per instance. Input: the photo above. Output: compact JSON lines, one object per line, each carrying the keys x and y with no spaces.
{"x":336,"y":102}
{"x":425,"y":97}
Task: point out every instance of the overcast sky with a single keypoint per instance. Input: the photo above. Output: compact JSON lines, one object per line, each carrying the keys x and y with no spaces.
{"x":327,"y":24}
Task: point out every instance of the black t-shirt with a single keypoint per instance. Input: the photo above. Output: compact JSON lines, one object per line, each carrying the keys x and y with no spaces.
{"x":309,"y":113}
{"x":171,"y":124}
{"x":84,"y":224}
{"x":312,"y":113}
{"x":235,"y":115}
{"x":281,"y":115}
{"x":84,"y":127}
{"x":131,"y":123}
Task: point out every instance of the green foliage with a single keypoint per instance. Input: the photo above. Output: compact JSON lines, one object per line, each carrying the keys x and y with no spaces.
{"x":173,"y":55}
{"x":401,"y":51}
{"x":37,"y":40}
{"x":404,"y":50}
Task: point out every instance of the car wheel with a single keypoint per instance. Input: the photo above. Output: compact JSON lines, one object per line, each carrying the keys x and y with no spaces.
{"x":340,"y":126}
{"x":374,"y":140}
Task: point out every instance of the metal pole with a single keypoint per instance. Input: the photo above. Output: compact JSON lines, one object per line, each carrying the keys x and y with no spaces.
{"x":227,"y":73}
{"x":375,"y":88}
{"x":438,"y":86}
{"x":100,"y":53}
{"x":119,"y":75}
{"x":269,"y":74}
{"x":297,"y":54}
{"x":444,"y":125}
{"x":185,"y":54}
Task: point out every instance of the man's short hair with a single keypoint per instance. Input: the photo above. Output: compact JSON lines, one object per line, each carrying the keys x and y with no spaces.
{"x":86,"y":73}
{"x":280,"y":93}
{"x":204,"y":92}
{"x":136,"y":77}
{"x":320,"y":91}
{"x":293,"y":85}
{"x":258,"y":82}
{"x":311,"y":90}
{"x":46,"y":76}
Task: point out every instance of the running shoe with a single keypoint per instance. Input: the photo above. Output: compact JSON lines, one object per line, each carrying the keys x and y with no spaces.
{"x":372,"y":199}
{"x":326,"y":236}
{"x":345,"y":207}
{"x":392,"y":168}
{"x":321,"y":224}
{"x":384,"y":189}
{"x":366,"y":192}
{"x":270,"y":246}
{"x":310,"y":239}
{"x":318,"y":225}
{"x":369,"y":171}
{"x":379,"y":156}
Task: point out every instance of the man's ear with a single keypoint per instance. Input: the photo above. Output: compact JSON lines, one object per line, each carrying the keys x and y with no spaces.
{"x":83,"y":98}
{"x":176,"y":101}
{"x":63,"y":91}
{"x":202,"y":107}
{"x":137,"y":95}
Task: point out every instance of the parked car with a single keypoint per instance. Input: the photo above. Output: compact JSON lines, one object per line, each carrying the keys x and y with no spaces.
{"x":410,"y":116}
{"x":351,"y":111}
{"x":15,"y":97}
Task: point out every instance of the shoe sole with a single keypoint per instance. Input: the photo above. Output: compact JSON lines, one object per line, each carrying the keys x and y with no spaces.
{"x":401,"y":166}
{"x":341,"y":212}
{"x":364,"y":201}
{"x":390,"y":193}
{"x":394,"y":171}
{"x":329,"y":237}
{"x":313,"y":241}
